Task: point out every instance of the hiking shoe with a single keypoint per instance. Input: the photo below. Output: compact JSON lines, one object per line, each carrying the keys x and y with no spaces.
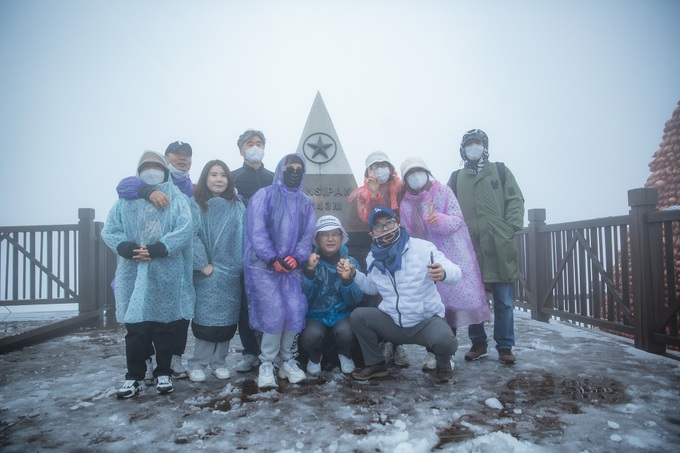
{"x":370,"y":372}
{"x":400,"y":358}
{"x":445,"y":373}
{"x":164,"y":385}
{"x":265,"y":378}
{"x":178,"y":370}
{"x":129,"y":389}
{"x":148,"y":376}
{"x":430,"y":363}
{"x":221,"y":373}
{"x":346,"y":364}
{"x":313,"y":368}
{"x":291,"y":371}
{"x":506,"y":356}
{"x":477,"y":351}
{"x":388,"y":352}
{"x":196,"y":375}
{"x":247,"y":363}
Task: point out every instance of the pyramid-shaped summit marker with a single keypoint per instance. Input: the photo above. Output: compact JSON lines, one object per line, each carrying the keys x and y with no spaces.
{"x":329,"y":179}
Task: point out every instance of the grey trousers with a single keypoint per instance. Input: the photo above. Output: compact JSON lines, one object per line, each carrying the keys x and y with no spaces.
{"x":312,"y":338}
{"x":209,"y":353}
{"x":370,"y":325}
{"x":282,"y":345}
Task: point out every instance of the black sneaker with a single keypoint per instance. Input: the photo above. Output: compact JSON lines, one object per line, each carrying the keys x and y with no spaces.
{"x":129,"y":389}
{"x":477,"y":351}
{"x":164,"y":385}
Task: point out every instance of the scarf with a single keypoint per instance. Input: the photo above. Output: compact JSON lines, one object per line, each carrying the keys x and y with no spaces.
{"x":389,"y":258}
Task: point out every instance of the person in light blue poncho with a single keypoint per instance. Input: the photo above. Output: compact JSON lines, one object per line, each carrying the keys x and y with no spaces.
{"x":218,"y":215}
{"x":153,"y":276}
{"x":278,"y":236}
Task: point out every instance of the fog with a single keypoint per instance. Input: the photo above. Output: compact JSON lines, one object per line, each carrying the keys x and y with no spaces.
{"x":573,"y":94}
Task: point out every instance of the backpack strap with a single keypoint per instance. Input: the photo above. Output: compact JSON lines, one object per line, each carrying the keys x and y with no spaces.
{"x":453,"y":182}
{"x":500,"y":166}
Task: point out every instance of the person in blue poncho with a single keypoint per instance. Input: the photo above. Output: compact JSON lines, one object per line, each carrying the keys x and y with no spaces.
{"x":278,"y":237}
{"x":154,"y":287}
{"x":331,"y":299}
{"x":218,"y":215}
{"x":178,"y":156}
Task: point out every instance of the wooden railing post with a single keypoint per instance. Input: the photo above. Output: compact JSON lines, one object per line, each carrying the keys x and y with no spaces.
{"x":537,"y":263}
{"x":642,"y":202}
{"x":87,"y":276}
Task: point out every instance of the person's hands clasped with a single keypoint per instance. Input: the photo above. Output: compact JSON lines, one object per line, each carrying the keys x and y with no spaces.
{"x":284,"y":265}
{"x":436,"y":272}
{"x":345,"y":269}
{"x":141,"y":254}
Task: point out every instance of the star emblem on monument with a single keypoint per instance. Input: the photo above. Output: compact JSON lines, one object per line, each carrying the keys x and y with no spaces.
{"x":320,"y":148}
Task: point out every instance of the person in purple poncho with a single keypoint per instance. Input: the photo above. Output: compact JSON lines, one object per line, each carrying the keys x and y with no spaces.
{"x":278,"y":236}
{"x":430,"y":211}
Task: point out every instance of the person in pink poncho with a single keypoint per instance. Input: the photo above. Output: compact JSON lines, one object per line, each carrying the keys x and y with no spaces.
{"x":430,"y":211}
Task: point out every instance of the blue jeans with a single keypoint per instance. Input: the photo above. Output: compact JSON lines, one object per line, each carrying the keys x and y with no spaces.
{"x":504,"y":320}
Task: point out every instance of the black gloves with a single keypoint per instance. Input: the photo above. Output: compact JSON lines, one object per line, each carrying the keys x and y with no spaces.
{"x":157,"y":250}
{"x":126,"y":249}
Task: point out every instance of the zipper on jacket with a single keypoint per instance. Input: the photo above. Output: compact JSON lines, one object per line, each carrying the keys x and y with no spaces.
{"x":394,"y":284}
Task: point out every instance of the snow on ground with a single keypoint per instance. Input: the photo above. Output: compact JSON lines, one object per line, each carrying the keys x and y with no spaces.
{"x":572,"y":389}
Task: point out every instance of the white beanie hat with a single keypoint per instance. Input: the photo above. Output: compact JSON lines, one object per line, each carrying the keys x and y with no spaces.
{"x":376,"y":156}
{"x":413,"y":162}
{"x":327,"y":223}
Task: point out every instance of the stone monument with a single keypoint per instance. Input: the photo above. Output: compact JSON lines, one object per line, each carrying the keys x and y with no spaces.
{"x":329,"y":179}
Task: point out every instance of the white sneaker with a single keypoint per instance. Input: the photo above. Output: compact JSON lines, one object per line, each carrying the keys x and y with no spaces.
{"x":178,"y":370}
{"x":346,"y":364}
{"x":388,"y":352}
{"x":148,"y":376}
{"x":265,"y":378}
{"x":291,"y":371}
{"x":221,"y":373}
{"x":164,"y":385}
{"x":247,"y":363}
{"x":313,"y":368}
{"x":430,"y":363}
{"x":400,"y":357}
{"x":196,"y":375}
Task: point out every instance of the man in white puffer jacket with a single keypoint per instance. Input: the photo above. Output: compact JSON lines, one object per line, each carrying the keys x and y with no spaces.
{"x":404,"y":271}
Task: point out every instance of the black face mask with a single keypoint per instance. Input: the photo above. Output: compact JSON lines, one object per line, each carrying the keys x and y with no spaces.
{"x":292,"y":177}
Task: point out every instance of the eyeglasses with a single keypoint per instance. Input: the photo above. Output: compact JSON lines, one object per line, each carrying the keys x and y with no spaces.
{"x":329,"y":234}
{"x":380,"y":227}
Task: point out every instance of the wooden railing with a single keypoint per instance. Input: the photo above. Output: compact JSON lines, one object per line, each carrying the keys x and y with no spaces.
{"x":617,"y":274}
{"x":56,"y":264}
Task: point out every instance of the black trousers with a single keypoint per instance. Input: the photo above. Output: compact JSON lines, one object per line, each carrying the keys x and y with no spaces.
{"x":140,"y":338}
{"x":179,"y":338}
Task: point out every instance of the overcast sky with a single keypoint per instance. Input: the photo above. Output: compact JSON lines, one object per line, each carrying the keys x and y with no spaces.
{"x":573,"y":94}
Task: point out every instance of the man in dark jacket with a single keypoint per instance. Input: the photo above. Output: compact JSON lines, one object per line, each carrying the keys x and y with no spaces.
{"x":493,"y":208}
{"x":248,"y":179}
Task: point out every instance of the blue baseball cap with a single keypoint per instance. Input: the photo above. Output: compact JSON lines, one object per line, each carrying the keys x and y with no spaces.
{"x":380,"y":210}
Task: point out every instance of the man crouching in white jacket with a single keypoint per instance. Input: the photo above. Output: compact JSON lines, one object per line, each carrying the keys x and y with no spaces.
{"x":404,"y":271}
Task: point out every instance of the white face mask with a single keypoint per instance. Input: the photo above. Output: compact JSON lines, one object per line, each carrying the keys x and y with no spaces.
{"x":152,"y":176}
{"x":254,"y":154}
{"x":383,"y":174}
{"x":474,"y":151}
{"x":417,"y":180}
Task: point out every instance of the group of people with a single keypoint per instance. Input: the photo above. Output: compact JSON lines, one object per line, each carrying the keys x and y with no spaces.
{"x":243,"y":250}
